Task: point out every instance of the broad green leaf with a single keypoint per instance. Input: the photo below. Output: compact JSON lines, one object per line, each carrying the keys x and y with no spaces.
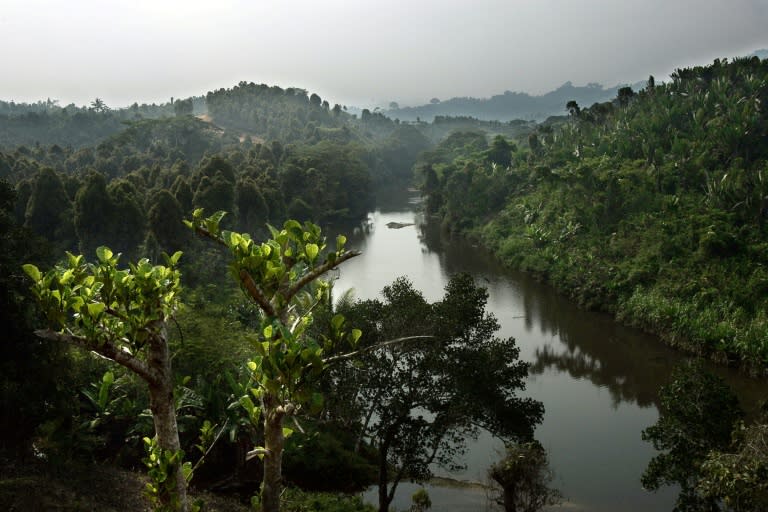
{"x":341,"y":240}
{"x":66,"y":277}
{"x":106,"y":382}
{"x":291,"y":224}
{"x":316,"y":402}
{"x":355,"y":336}
{"x":174,"y":259}
{"x":268,"y":332}
{"x":104,"y":254}
{"x":96,"y":308}
{"x":186,"y":469}
{"x":76,"y":303}
{"x":73,"y":260}
{"x":247,"y":404}
{"x":287,"y":432}
{"x":311,"y":250}
{"x":32,"y":271}
{"x":337,"y":321}
{"x":216,"y":217}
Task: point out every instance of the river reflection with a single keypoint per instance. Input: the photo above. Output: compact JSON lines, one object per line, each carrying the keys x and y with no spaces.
{"x":628,"y":363}
{"x":597,"y":379}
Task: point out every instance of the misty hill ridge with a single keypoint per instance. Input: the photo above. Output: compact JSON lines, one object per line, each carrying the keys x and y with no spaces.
{"x":510,"y":105}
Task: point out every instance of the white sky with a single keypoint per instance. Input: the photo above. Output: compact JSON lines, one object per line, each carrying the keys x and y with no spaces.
{"x":358,"y":52}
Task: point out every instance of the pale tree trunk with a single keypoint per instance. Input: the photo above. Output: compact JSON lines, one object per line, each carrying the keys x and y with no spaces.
{"x":156,"y":372}
{"x":274,"y":441}
{"x":164,"y":413}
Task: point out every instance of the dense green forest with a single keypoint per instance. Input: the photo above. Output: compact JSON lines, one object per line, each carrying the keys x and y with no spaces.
{"x":47,"y":123}
{"x":231,"y":349}
{"x":127,"y":179}
{"x":652,"y":206}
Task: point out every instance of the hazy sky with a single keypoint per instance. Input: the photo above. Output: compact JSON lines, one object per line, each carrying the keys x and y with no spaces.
{"x":357,"y":52}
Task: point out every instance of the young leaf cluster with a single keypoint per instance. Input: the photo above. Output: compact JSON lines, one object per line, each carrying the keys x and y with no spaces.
{"x":101,"y":302}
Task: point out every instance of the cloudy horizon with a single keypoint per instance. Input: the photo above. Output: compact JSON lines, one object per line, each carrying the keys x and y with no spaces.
{"x":363,"y":53}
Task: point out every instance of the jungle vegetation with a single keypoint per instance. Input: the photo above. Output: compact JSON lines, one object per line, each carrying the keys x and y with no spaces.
{"x":215,"y":389}
{"x":651,"y":206}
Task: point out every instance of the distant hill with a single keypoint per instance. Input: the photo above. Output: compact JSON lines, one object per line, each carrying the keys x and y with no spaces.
{"x":510,"y":105}
{"x":48,"y":123}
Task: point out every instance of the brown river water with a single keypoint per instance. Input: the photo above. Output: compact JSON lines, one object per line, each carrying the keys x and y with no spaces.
{"x":597,"y":379}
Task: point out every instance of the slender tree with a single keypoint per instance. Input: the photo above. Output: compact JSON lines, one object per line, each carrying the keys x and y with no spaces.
{"x":121,"y":314}
{"x":283,"y":277}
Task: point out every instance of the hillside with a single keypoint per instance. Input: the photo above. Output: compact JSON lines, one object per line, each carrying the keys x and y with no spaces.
{"x":47,"y":123}
{"x":509,"y":105}
{"x":653,"y":206}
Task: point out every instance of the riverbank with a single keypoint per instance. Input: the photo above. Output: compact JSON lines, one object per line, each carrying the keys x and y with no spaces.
{"x":704,"y":321}
{"x":597,"y":379}
{"x":633,"y":208}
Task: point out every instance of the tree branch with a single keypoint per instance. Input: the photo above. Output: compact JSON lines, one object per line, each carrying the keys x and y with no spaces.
{"x":213,"y":443}
{"x":395,"y":481}
{"x":115,"y":314}
{"x":108,"y":349}
{"x":255,"y":453}
{"x":384,"y":344}
{"x":207,"y":234}
{"x":255,"y":293}
{"x":317,"y":272}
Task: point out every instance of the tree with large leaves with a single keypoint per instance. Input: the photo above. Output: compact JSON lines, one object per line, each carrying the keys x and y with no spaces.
{"x":283,"y":276}
{"x":121,"y":314}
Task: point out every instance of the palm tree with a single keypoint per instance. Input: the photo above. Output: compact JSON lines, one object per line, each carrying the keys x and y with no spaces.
{"x":98,"y":105}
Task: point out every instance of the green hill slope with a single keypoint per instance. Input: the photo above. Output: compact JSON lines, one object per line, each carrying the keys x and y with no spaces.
{"x":652,"y":206}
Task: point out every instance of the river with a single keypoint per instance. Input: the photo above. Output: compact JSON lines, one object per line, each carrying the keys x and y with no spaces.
{"x":597,"y":379}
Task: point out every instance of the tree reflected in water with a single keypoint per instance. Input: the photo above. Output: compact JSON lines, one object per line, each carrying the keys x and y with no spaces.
{"x":590,"y":345}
